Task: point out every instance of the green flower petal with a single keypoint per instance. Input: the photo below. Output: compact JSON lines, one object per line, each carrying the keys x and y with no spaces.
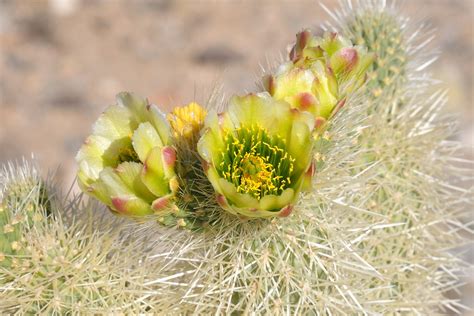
{"x":312,"y":88}
{"x":275,"y":203}
{"x":358,"y":73}
{"x":136,"y":105}
{"x":83,"y":180}
{"x":91,"y":157}
{"x":269,"y":202}
{"x":260,"y":110}
{"x":322,"y":87}
{"x":307,"y":179}
{"x":332,"y":42}
{"x":153,"y":173}
{"x":130,"y":205}
{"x":115,"y":185}
{"x":344,"y":60}
{"x":288,"y":196}
{"x":236,"y":198}
{"x":141,"y":111}
{"x":124,"y":180}
{"x":214,"y":178}
{"x":111,"y":134}
{"x":99,"y":190}
{"x":304,"y":117}
{"x":144,"y":139}
{"x":249,"y":110}
{"x":211,"y":142}
{"x":114,"y":123}
{"x":261,"y":213}
{"x":289,"y":85}
{"x":121,"y":188}
{"x":162,"y":204}
{"x":300,"y":146}
{"x":159,"y":122}
{"x":129,"y":173}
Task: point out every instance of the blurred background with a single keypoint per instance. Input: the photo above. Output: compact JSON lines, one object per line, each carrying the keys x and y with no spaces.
{"x":63,"y":61}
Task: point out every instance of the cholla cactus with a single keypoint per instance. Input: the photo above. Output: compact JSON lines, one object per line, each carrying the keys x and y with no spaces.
{"x":375,"y":235}
{"x":382,"y":33}
{"x":23,"y":202}
{"x":73,"y":256}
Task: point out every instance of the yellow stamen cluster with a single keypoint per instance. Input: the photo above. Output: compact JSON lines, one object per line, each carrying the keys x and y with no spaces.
{"x":187,"y":121}
{"x":256,"y":175}
{"x":256,"y":163}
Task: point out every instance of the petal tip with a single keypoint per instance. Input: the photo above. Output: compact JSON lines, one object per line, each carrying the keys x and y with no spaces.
{"x":222,"y":201}
{"x":286,"y":211}
{"x":119,"y":204}
{"x":160,"y":203}
{"x":169,"y":155}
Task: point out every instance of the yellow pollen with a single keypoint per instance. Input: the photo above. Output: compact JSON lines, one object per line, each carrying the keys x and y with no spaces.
{"x":256,"y":175}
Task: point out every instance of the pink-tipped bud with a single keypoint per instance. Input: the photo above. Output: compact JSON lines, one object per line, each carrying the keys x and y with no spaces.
{"x":344,"y":60}
{"x":293,"y":54}
{"x":302,"y":38}
{"x":350,"y":56}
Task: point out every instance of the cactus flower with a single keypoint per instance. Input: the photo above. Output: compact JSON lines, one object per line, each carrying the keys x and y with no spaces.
{"x":321,"y":72}
{"x":257,"y":155}
{"x":128,"y":162}
{"x":187,"y":121}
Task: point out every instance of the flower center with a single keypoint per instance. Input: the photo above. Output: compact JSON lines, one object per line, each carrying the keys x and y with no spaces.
{"x":256,"y":174}
{"x":127,"y":154}
{"x":120,"y":150}
{"x":255,"y":162}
